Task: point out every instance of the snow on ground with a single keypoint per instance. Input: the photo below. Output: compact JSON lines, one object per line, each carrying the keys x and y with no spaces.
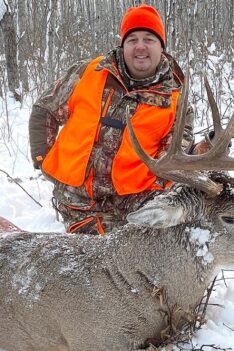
{"x":23,"y":211}
{"x":219,"y":329}
{"x":15,"y":204}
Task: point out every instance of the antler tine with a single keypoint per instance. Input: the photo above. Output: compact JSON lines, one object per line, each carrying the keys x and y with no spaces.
{"x":195,"y":179}
{"x":222,"y":140}
{"x":214,"y":108}
{"x":176,"y":142}
{"x":175,"y":147}
{"x":148,"y":160}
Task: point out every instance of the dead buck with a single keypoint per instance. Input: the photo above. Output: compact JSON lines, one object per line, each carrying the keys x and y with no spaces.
{"x":61,"y":292}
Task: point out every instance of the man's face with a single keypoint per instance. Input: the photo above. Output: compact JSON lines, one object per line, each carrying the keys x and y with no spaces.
{"x":142,"y":53}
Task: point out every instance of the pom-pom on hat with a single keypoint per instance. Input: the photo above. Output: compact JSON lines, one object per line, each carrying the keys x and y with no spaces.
{"x":143,"y":17}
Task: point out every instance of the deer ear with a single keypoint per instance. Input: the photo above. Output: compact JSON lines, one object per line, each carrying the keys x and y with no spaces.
{"x":157,"y":217}
{"x":179,"y":205}
{"x":159,"y":213}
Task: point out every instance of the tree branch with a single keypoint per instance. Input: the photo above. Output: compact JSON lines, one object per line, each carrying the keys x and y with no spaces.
{"x":8,"y":176}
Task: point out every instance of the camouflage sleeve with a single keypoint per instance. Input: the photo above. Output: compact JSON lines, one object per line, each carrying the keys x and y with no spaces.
{"x":188,"y":138}
{"x":51,"y":111}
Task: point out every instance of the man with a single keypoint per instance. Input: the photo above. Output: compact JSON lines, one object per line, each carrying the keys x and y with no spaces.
{"x":98,"y":176}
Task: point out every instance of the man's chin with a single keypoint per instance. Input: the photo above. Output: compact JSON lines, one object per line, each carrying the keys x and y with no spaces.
{"x":141,"y":72}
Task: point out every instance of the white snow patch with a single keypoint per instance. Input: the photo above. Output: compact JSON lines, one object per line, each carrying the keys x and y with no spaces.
{"x":201,"y":237}
{"x":26,"y":286}
{"x":135,"y":291}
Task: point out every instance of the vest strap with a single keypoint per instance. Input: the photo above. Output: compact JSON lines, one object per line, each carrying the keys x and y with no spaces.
{"x":111,"y":122}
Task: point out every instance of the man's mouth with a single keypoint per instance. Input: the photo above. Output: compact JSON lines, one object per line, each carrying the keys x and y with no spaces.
{"x":141,"y":57}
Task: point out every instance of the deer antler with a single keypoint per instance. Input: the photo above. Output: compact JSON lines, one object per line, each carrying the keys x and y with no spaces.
{"x":174,"y":164}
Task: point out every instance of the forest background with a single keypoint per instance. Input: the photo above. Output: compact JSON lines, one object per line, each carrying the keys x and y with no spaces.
{"x":39,"y":40}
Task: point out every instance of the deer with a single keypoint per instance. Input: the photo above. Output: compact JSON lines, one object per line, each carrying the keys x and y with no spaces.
{"x":68,"y":292}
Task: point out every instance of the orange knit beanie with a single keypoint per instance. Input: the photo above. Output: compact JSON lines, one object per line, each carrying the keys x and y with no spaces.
{"x":143,"y":17}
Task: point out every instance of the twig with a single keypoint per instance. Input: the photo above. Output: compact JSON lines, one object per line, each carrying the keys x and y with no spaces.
{"x":223,"y":275}
{"x":227,"y":326}
{"x":8,"y":176}
{"x":209,"y":291}
{"x":212,"y":347}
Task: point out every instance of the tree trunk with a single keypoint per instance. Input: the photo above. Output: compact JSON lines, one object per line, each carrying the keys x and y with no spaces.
{"x":10,"y":47}
{"x":23,"y":44}
{"x":51,"y":38}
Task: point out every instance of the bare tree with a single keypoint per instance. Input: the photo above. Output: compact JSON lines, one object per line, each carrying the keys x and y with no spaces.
{"x":23,"y":44}
{"x":51,"y":39}
{"x":10,"y":48}
{"x":54,"y":34}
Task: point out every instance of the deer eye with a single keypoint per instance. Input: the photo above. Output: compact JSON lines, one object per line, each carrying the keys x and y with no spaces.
{"x":229,"y":220}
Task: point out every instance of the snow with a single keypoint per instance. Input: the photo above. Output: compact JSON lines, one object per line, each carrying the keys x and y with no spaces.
{"x":23,"y":211}
{"x":202,"y":237}
{"x":15,"y":204}
{"x":212,"y":48}
{"x":219,"y":329}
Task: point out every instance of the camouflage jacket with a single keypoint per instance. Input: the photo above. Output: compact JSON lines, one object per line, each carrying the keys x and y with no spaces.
{"x":51,"y":111}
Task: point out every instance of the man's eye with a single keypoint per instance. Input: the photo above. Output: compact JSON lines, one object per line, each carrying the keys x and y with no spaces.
{"x":151,"y":40}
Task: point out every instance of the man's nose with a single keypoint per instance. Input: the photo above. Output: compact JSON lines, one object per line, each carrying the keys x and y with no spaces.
{"x":140,"y":45}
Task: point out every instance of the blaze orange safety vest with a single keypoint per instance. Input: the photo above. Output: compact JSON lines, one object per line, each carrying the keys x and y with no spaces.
{"x":68,"y":158}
